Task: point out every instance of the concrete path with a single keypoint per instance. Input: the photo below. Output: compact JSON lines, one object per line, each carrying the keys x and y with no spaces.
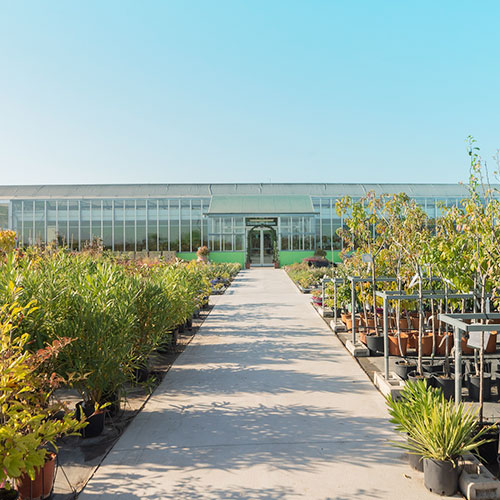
{"x":264,"y":404}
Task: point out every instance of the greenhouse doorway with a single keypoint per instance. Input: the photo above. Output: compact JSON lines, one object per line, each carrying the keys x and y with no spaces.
{"x":260,"y":242}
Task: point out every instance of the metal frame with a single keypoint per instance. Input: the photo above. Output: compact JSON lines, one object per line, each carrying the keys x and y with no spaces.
{"x":336,"y":282}
{"x":359,"y":279}
{"x":387,"y":296}
{"x":455,"y":320}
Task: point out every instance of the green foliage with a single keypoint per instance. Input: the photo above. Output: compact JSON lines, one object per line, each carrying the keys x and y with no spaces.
{"x":117,"y":311}
{"x":304,"y":275}
{"x":320,"y":252}
{"x":435,"y":427}
{"x":27,"y":423}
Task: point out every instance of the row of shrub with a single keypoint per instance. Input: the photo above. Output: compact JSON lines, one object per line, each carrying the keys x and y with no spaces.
{"x":305,"y":275}
{"x":88,"y":321}
{"x":116,"y":311}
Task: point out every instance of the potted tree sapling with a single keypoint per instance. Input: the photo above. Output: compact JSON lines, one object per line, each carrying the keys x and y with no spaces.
{"x":366,"y":235}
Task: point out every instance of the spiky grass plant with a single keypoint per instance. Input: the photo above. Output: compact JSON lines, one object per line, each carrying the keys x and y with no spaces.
{"x":435,"y":427}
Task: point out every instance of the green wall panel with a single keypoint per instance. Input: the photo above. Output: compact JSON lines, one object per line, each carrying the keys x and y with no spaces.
{"x":333,"y":256}
{"x":228,"y":257}
{"x":216,"y":256}
{"x":186,"y":255}
{"x":288,"y":257}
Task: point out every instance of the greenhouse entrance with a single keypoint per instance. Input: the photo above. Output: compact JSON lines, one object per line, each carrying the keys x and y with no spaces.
{"x":260,"y":241}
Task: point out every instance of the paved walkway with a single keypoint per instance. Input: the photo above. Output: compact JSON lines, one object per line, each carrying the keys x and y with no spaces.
{"x":264,"y":404}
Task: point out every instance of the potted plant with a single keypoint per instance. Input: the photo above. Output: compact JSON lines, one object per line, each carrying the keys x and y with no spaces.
{"x":318,"y":259}
{"x":30,"y":421}
{"x":202,"y":254}
{"x":438,"y":430}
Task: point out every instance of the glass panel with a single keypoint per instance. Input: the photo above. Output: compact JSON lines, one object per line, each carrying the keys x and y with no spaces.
{"x":285,"y":241}
{"x":107,"y":224}
{"x":196,"y":234}
{"x":96,"y":219}
{"x":39,"y":222}
{"x":186,"y":236}
{"x":152,"y":226}
{"x":215,"y":243}
{"x":62,"y":222}
{"x":227,"y":242}
{"x":84,"y":223}
{"x":174,"y":225}
{"x":4,"y":215}
{"x":130,"y":226}
{"x":28,"y":236}
{"x":51,"y":222}
{"x":268,"y":247}
{"x":163,"y":215}
{"x":16,"y":220}
{"x":239,"y":242}
{"x":254,"y":243}
{"x":119,"y":229}
{"x":205,"y":231}
{"x":74,"y":216}
{"x":227,"y":225}
{"x":141,"y":226}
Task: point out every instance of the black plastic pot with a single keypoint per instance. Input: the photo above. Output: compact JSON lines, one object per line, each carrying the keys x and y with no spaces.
{"x":95,"y":421}
{"x":402,"y":368}
{"x":8,"y":494}
{"x":141,"y":374}
{"x":114,"y":400}
{"x":441,"y":477}
{"x":497,"y":381}
{"x":416,"y":462}
{"x":413,"y":377}
{"x":488,"y":452}
{"x":430,"y":367}
{"x":474,"y":387}
{"x":446,"y":384}
{"x":375,"y":344}
{"x":428,"y":377}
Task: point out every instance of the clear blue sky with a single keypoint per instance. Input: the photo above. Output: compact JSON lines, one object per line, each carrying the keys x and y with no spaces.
{"x":246,"y":91}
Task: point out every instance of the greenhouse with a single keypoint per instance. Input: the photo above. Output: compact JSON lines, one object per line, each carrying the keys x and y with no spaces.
{"x":231,"y":219}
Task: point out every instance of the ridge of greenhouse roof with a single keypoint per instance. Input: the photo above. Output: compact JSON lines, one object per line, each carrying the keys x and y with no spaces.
{"x":79,"y":191}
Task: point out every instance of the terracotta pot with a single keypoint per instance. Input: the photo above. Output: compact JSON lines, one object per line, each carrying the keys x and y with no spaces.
{"x":441,"y":348}
{"x":368,"y":321}
{"x":412,"y":339}
{"x":362,"y":336}
{"x":394,"y":344}
{"x":426,"y":342}
{"x":347,"y":320}
{"x":41,"y":486}
{"x":403,"y":323}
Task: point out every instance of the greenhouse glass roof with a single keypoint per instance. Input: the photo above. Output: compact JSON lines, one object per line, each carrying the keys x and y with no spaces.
{"x":83,"y":191}
{"x":263,"y":204}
